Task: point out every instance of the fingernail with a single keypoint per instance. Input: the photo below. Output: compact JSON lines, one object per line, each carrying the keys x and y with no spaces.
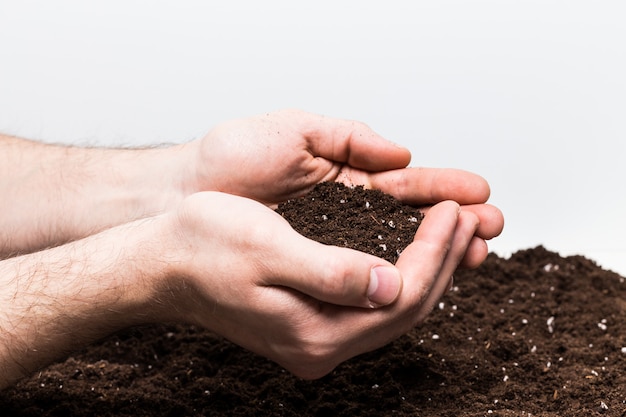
{"x":451,"y":283}
{"x":385,"y":285}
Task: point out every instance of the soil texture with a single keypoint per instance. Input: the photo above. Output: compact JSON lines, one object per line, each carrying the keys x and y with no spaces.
{"x":536,"y":334}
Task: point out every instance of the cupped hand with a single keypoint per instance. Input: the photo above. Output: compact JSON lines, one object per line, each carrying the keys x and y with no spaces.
{"x":281,"y":155}
{"x":243,"y":272}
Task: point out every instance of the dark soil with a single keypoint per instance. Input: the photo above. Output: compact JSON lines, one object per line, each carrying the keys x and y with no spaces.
{"x":533,"y":335}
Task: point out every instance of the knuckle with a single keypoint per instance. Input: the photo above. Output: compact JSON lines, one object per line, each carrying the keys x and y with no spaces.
{"x":336,"y":279}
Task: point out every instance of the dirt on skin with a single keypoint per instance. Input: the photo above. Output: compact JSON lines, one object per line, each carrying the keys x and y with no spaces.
{"x":533,"y":335}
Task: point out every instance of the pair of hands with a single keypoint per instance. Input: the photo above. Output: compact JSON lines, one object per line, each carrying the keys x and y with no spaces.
{"x":247,"y":275}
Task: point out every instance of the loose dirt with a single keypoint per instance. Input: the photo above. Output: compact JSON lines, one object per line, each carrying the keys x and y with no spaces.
{"x":536,"y":334}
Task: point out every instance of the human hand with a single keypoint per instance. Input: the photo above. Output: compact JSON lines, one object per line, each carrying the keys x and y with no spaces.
{"x":282,"y":155}
{"x":239,"y":269}
{"x":277,"y":156}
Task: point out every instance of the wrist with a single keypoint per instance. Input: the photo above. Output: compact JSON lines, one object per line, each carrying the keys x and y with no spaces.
{"x":153,"y":181}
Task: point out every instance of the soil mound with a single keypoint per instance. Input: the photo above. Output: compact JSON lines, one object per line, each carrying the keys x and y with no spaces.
{"x":533,"y":335}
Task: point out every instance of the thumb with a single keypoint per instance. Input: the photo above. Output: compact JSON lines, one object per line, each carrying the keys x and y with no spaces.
{"x":340,"y":276}
{"x":351,"y":142}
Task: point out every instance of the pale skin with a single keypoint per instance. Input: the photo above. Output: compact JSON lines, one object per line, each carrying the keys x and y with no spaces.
{"x":186,"y":234}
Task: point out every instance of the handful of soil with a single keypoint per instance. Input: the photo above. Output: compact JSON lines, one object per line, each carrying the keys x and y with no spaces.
{"x":366,"y":220}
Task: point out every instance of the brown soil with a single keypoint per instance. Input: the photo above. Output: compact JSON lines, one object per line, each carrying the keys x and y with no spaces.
{"x":533,"y":335}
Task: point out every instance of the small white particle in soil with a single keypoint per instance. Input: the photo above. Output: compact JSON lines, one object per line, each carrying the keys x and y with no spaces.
{"x":441,"y":306}
{"x":624,"y":350}
{"x":435,"y":337}
{"x":602,"y":326}
{"x":391,"y":224}
{"x":550,"y":323}
{"x":374,"y":386}
{"x":382,"y":245}
{"x":413,"y":219}
{"x":550,"y":268}
{"x":324,"y":217}
{"x":524,"y":321}
{"x":367,"y":204}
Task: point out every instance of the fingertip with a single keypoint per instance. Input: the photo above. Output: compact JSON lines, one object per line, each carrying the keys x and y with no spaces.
{"x":491,"y":220}
{"x":496,"y":220}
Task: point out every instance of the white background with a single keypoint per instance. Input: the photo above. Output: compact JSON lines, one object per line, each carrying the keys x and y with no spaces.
{"x":529,"y":94}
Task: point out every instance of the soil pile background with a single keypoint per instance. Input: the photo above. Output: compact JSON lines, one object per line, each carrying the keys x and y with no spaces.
{"x":536,"y":334}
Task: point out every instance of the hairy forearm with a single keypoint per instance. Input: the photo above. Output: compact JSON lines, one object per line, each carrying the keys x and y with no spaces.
{"x":57,"y":300}
{"x":55,"y":194}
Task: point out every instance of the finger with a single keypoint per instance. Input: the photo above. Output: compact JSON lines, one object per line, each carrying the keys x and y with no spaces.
{"x":337,"y":275}
{"x":476,"y":253}
{"x":419,"y":186}
{"x":352,"y":143}
{"x":421,"y":262}
{"x":490,"y":217}
{"x":463,"y":236}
